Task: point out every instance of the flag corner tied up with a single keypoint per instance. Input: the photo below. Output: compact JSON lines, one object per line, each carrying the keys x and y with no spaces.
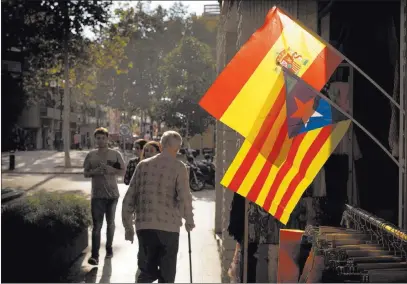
{"x":245,"y":92}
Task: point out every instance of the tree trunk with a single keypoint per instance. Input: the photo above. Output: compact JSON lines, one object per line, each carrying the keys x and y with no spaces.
{"x":67,"y":99}
{"x":97,"y":116}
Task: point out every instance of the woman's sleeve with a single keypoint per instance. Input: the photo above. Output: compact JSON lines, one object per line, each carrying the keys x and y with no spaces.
{"x":129,"y":173}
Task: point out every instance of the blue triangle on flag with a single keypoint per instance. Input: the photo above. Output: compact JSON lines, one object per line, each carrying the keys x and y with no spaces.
{"x":306,"y":110}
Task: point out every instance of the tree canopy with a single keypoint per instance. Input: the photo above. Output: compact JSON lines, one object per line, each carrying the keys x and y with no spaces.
{"x":187,"y":72}
{"x":162,"y":48}
{"x":146,"y":62}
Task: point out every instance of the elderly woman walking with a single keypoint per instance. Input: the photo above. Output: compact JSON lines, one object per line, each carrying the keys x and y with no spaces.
{"x":131,"y":166}
{"x":159,"y":194}
{"x":151,"y":149}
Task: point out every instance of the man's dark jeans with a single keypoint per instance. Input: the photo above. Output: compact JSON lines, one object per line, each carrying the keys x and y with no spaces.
{"x":157,"y":258}
{"x":100,"y":207}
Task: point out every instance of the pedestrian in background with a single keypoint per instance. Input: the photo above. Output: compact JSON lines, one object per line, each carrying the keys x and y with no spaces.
{"x":159,"y":194}
{"x":88,"y":142}
{"x":103,"y":165}
{"x":131,"y":166}
{"x":151,"y":149}
{"x":77,"y":141}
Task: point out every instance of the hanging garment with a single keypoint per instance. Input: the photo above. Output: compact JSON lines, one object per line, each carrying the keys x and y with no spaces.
{"x":394,"y":120}
{"x":272,"y":263}
{"x":319,"y":185}
{"x":336,"y":170}
{"x":339,"y":93}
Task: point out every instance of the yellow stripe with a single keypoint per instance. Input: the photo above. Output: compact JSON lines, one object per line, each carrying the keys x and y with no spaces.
{"x":249,"y":104}
{"x":252,"y":175}
{"x":274,"y":169}
{"x":234,"y":166}
{"x":302,"y":150}
{"x":326,"y":150}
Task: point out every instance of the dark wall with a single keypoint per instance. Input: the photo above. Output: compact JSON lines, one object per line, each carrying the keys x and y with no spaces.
{"x":363,"y":29}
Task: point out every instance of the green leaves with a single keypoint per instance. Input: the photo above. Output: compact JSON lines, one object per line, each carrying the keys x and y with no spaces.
{"x":187,"y":73}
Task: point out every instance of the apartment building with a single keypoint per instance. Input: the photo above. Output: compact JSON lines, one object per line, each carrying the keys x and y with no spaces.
{"x":42,"y":122}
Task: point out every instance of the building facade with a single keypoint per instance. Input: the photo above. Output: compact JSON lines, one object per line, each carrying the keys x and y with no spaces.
{"x":42,"y":122}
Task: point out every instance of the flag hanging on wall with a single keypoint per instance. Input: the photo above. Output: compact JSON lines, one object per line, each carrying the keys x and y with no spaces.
{"x":290,"y":132}
{"x":249,"y":94}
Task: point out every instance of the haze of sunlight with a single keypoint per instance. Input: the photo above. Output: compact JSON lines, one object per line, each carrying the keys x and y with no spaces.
{"x":196,"y":7}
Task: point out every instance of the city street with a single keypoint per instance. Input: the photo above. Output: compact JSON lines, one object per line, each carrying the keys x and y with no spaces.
{"x":122,"y":268}
{"x":45,"y":162}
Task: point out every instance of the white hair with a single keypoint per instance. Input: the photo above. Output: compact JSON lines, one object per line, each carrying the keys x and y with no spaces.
{"x":171,"y":139}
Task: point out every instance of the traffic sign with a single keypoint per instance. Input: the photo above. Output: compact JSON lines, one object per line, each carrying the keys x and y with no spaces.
{"x":125,"y":130}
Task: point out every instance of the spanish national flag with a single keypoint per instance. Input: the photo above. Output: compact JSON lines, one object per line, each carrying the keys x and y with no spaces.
{"x":248,"y":96}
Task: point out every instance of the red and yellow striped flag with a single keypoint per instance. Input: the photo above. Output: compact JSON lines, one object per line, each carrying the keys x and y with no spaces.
{"x":249,"y":94}
{"x":277,"y":187}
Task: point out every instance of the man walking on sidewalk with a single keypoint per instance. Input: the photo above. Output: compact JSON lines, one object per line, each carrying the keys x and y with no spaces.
{"x":159,"y":194}
{"x":103,"y":165}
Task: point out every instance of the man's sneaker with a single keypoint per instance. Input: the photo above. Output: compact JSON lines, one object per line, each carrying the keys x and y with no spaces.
{"x":109,"y":253}
{"x":93,"y":261}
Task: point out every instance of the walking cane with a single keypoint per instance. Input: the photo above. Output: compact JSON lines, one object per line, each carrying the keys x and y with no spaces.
{"x":190,"y":257}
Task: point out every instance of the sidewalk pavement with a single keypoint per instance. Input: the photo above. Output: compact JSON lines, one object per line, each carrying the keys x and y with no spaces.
{"x":46,"y":162}
{"x":122,"y":267}
{"x":43,"y":162}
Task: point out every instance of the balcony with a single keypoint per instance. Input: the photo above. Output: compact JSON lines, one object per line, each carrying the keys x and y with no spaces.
{"x":54,"y":113}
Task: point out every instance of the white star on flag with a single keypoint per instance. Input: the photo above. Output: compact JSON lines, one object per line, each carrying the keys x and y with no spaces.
{"x":315,"y":114}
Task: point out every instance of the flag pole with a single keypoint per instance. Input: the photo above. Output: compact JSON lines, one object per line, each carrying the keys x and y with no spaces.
{"x":344,"y":57}
{"x":402,"y":222}
{"x":245,"y":239}
{"x":350,"y":117}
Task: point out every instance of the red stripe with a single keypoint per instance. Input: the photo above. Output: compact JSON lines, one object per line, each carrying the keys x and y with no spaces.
{"x":305,"y":163}
{"x":259,"y":141}
{"x":265,"y":171}
{"x":283,"y":170}
{"x":243,"y":169}
{"x":239,"y":70}
{"x":322,"y":68}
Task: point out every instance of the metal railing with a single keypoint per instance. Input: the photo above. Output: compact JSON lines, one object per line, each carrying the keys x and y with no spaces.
{"x":384,"y":233}
{"x":368,"y":231}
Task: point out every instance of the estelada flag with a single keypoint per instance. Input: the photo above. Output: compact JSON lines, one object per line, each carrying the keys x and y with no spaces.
{"x":249,"y":94}
{"x":306,"y":109}
{"x":277,"y":181}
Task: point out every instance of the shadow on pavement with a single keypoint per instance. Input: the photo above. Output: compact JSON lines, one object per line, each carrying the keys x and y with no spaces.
{"x":107,"y":271}
{"x":35,"y":186}
{"x":91,"y":276}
